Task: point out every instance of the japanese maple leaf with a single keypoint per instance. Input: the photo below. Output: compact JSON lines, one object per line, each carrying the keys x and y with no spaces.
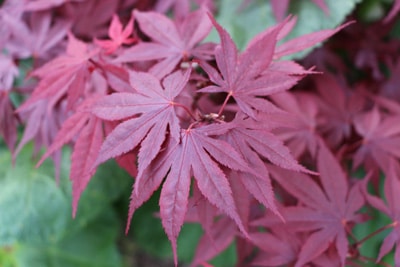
{"x":200,"y":210}
{"x":89,"y":132}
{"x":391,"y":209}
{"x":381,"y":138}
{"x":209,"y":246}
{"x":171,"y":42}
{"x":302,"y":42}
{"x":38,"y":36}
{"x":256,"y":143}
{"x":337,"y":108}
{"x":156,"y":107}
{"x":41,"y":125}
{"x":286,"y":246}
{"x":118,"y":35}
{"x":197,"y":155}
{"x":327,"y":213}
{"x":214,"y":239}
{"x":64,"y":76}
{"x":301,"y":134}
{"x":240,"y":75}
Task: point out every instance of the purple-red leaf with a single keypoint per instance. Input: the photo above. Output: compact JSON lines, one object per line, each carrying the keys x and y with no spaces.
{"x":118,"y":35}
{"x":85,"y":152}
{"x":171,"y":42}
{"x":327,"y":212}
{"x":246,"y":77}
{"x":157,"y":108}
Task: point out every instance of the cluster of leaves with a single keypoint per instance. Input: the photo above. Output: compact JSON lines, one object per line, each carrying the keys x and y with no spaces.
{"x":214,"y":129}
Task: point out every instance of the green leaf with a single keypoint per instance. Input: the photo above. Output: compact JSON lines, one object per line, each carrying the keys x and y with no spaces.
{"x":32,"y":207}
{"x":311,"y":18}
{"x":36,"y":222}
{"x":7,"y":258}
{"x":92,"y":246}
{"x":244,"y":24}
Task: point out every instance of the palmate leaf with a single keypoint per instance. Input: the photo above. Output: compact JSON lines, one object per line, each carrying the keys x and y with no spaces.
{"x":286,"y":246}
{"x":301,"y":134}
{"x":157,"y":108}
{"x":88,"y":130}
{"x":252,"y":75}
{"x":245,"y":77}
{"x":199,"y":155}
{"x":66,"y":75}
{"x":326,"y":212}
{"x":39,"y":36}
{"x":171,"y":42}
{"x":256,"y":143}
{"x":118,"y":35}
{"x":381,"y":135}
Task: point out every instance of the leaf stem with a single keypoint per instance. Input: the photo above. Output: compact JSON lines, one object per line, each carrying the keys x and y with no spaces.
{"x":185,"y":108}
{"x":360,"y":242}
{"x":224,"y":104}
{"x":369,"y":259}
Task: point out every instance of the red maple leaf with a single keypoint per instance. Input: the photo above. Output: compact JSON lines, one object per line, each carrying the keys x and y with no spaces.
{"x":210,"y":245}
{"x":88,"y":130}
{"x":300,"y":134}
{"x":171,"y":42}
{"x":197,"y":154}
{"x":245,"y":77}
{"x":64,"y":76}
{"x":252,"y":75}
{"x":38,"y":36}
{"x":286,"y":246}
{"x":157,"y":108}
{"x":328,"y":213}
{"x":118,"y":35}
{"x":42,"y":125}
{"x":337,"y":108}
{"x":381,"y":139}
{"x":256,"y":143}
